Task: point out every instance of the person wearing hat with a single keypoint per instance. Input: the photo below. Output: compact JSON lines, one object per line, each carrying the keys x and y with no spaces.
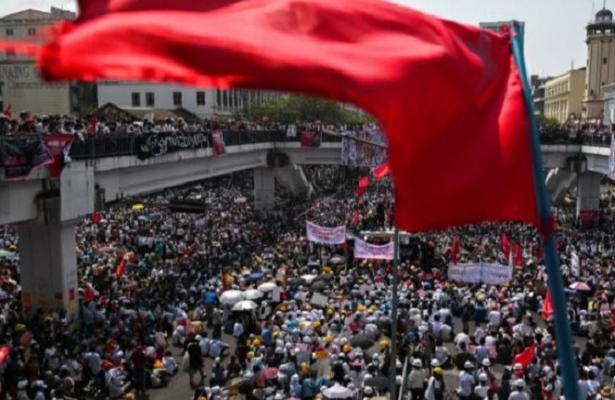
{"x":435,"y":385}
{"x":466,"y":381}
{"x":482,"y":390}
{"x":416,"y":380}
{"x":606,"y":393}
{"x":519,"y":392}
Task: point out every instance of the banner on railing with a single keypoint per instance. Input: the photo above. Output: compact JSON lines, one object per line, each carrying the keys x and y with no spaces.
{"x":59,"y":146}
{"x":490,"y":274}
{"x":158,"y":144}
{"x":358,"y":153}
{"x":218,"y":143}
{"x":19,"y":156}
{"x":325,"y":235}
{"x":370,"y":251}
{"x":310,"y":139}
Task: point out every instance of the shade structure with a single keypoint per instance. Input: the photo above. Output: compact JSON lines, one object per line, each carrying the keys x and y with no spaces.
{"x":267,"y":286}
{"x":580,"y":286}
{"x":253,"y":294}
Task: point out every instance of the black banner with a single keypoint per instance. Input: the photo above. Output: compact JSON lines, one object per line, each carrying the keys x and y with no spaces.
{"x":19,"y":156}
{"x":158,"y":144}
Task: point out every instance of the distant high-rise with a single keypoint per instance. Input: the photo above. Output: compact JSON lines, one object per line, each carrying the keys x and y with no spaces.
{"x":600,"y":62}
{"x":497,"y":27}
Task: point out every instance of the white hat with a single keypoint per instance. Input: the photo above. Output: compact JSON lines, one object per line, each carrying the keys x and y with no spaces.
{"x":468,"y":365}
{"x":518,"y":367}
{"x":417,"y":363}
{"x":435,"y":362}
{"x":486,"y":362}
{"x":520,"y":383}
{"x":368,"y":390}
{"x":198,"y":337}
{"x":483,"y":377}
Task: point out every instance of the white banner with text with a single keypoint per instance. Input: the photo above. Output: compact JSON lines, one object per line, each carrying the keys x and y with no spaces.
{"x":490,"y":274}
{"x":373,"y":251}
{"x":325,"y":235}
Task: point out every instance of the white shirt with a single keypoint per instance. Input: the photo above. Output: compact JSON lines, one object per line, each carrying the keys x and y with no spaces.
{"x":495,"y":318}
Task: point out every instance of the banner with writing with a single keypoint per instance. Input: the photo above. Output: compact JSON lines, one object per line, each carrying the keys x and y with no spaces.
{"x":159,"y":144}
{"x":373,"y":251}
{"x":325,"y":235}
{"x":360,"y":153}
{"x":59,"y":146}
{"x":20,"y":155}
{"x":490,"y":274}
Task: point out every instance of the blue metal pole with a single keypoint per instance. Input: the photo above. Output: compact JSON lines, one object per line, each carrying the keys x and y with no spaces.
{"x":556,"y":286}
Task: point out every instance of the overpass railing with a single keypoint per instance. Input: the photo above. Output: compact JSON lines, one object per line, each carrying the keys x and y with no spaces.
{"x":126,"y":145}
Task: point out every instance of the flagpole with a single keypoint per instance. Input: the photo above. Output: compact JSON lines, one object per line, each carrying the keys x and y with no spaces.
{"x":556,"y":285}
{"x":394,"y":301}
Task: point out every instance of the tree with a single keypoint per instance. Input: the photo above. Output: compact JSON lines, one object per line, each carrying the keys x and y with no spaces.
{"x":544,"y":120}
{"x":293,"y":108}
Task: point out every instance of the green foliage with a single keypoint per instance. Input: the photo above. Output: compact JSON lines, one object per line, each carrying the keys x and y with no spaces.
{"x":291,"y":109}
{"x":543,"y":120}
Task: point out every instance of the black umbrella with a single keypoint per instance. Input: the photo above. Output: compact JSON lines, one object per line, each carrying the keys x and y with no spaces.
{"x":319,"y":285}
{"x":362,"y":340}
{"x":377,"y":382}
{"x":297,"y":282}
{"x":324,"y":278}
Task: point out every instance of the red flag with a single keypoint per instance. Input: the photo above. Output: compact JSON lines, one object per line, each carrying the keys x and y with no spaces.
{"x":381,"y":171}
{"x":455,"y":251}
{"x":547,"y":306}
{"x":8,"y":112}
{"x":119,"y":271}
{"x":356,"y":217}
{"x":471,"y":141}
{"x":518,"y":257}
{"x":505,"y":245}
{"x":526,"y":356}
{"x":363,"y":184}
{"x":96,"y":217}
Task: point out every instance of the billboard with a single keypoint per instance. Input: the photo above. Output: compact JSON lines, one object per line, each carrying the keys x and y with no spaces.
{"x":497,"y":26}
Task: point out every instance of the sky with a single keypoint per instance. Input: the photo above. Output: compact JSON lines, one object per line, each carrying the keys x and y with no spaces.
{"x":554,"y":29}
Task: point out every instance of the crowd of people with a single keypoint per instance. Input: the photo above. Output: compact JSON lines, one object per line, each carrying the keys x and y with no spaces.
{"x":246,"y":306}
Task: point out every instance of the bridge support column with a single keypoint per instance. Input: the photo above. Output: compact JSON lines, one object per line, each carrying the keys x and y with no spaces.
{"x":48,"y":265}
{"x":264,"y":189}
{"x":588,"y":193}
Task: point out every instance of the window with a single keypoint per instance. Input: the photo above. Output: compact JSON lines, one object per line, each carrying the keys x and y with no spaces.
{"x":136,"y":99}
{"x":9,"y":32}
{"x":150,"y":101}
{"x":31,"y":31}
{"x":10,"y":52}
{"x":200,"y":98}
{"x":177,"y":98}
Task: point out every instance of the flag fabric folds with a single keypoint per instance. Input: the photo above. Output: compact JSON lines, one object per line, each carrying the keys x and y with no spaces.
{"x":449,"y":96}
{"x":505,"y":245}
{"x":455,"y":251}
{"x":547,"y":306}
{"x":362,"y":186}
{"x":526,"y":356}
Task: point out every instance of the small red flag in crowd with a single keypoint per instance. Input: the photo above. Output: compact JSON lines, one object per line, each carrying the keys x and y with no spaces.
{"x":363,"y":184}
{"x":526,"y":356}
{"x":455,"y":251}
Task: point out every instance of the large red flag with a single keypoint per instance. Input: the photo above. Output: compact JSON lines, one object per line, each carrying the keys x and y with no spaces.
{"x":467,"y":157}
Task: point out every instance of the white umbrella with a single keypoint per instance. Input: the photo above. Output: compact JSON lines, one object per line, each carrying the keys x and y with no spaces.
{"x":231,"y":297}
{"x":245,"y":305}
{"x":580,"y":286}
{"x":253,"y":294}
{"x":337,"y":391}
{"x":308,"y":278}
{"x":267,"y":286}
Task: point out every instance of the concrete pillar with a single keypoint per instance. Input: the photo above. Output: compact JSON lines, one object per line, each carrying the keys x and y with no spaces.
{"x":588,"y":193}
{"x":48,"y":266}
{"x":264,"y":189}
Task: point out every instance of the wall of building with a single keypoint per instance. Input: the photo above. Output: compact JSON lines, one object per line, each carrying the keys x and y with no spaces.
{"x":563,"y":95}
{"x":202,"y":102}
{"x":20,"y":83}
{"x":600,"y":64}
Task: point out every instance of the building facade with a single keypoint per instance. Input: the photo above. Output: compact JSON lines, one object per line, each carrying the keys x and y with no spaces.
{"x":497,"y":27}
{"x":563,"y":96}
{"x":538,"y":93}
{"x":21,"y":87}
{"x":600,"y":63}
{"x":202,"y":102}
{"x":609,"y":105}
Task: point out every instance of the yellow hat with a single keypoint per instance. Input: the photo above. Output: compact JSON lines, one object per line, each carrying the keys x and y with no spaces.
{"x":384,"y":343}
{"x":347,"y":348}
{"x":328,"y":339}
{"x":250,"y":355}
{"x":256,"y":342}
{"x":438,"y":371}
{"x":275,"y":334}
{"x":360,"y":308}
